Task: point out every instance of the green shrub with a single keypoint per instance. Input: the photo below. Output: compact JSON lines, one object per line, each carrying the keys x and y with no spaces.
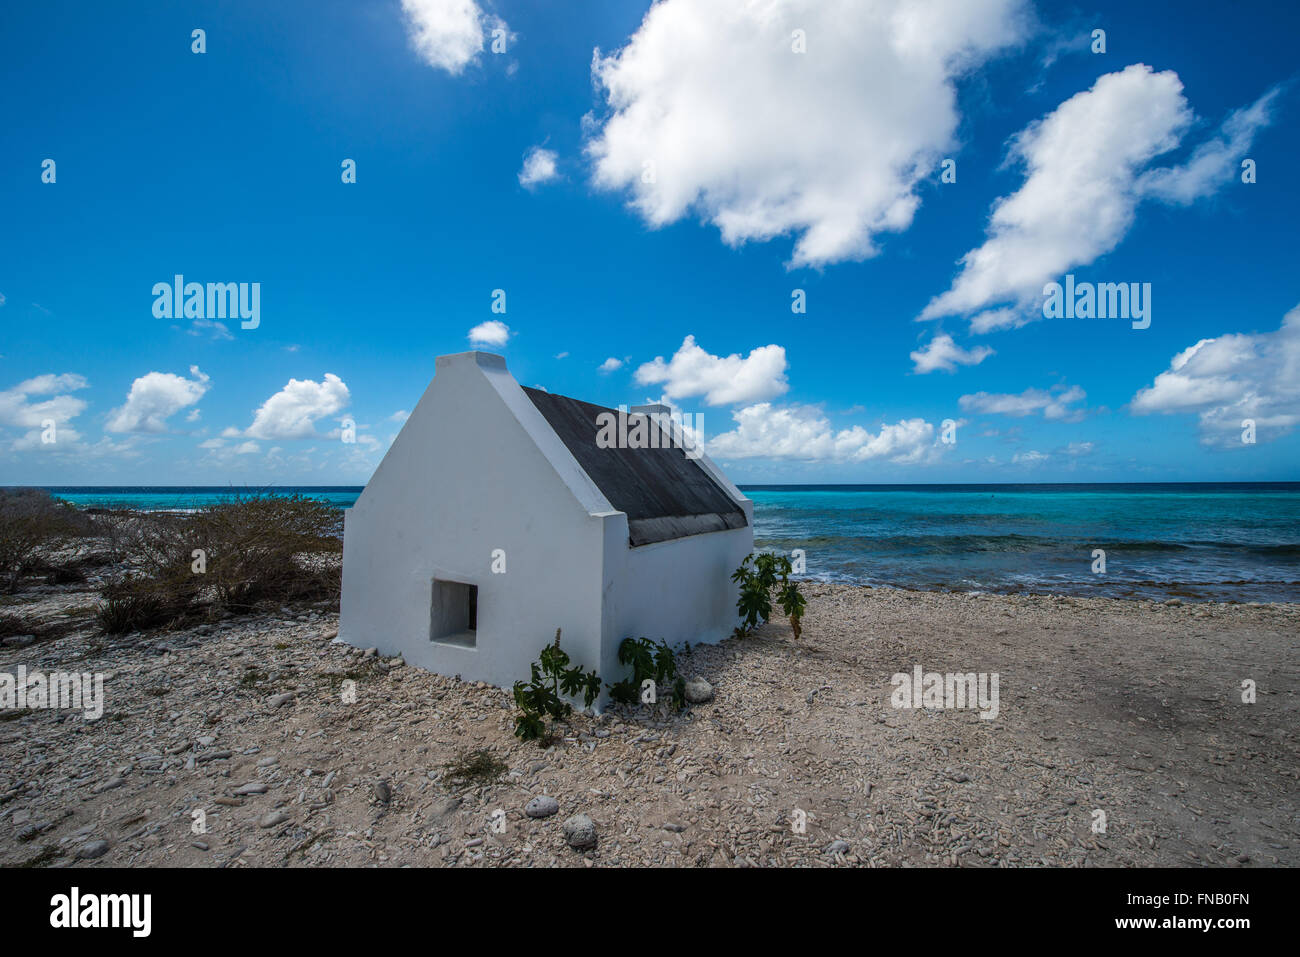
{"x":757,"y":576}
{"x":650,"y":662}
{"x":540,"y":697}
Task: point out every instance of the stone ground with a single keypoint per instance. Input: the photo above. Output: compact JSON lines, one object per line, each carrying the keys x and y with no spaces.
{"x":1130,"y":708}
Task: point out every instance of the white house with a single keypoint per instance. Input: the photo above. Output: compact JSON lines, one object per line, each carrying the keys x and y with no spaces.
{"x":499,"y":516}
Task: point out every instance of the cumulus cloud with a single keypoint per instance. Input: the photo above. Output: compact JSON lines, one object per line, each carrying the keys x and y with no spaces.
{"x":292,"y":412}
{"x":494,"y":332}
{"x":1230,"y":378}
{"x":721,"y":380}
{"x":942,"y":353}
{"x":539,"y":167}
{"x":448,"y":34}
{"x":610,"y":365}
{"x":18,"y":409}
{"x":1055,"y":404}
{"x":793,"y":432}
{"x":711,"y":112}
{"x":155,"y":396}
{"x":1086,"y":173}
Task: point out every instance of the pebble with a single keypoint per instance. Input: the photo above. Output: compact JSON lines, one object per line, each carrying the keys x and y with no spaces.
{"x":698,"y":691}
{"x":279,"y":700}
{"x":273,"y":818}
{"x":580,"y":832}
{"x":837,"y":847}
{"x":252,"y":787}
{"x":383,"y":793}
{"x":92,"y":849}
{"x":19,"y":641}
{"x":542,"y":806}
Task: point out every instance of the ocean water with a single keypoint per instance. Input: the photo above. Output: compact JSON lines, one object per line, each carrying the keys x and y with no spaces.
{"x":1231,"y":541}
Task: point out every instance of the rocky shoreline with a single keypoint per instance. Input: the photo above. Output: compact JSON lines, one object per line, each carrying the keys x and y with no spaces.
{"x":262,"y":741}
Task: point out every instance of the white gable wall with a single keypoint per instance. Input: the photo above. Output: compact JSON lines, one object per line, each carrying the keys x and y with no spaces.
{"x":469,"y":474}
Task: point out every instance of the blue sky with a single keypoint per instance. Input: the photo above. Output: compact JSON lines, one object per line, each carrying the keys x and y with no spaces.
{"x":684,"y":180}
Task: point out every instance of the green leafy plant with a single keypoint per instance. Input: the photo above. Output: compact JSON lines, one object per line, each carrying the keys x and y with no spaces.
{"x":649,"y":661}
{"x":540,"y":697}
{"x":757,"y":576}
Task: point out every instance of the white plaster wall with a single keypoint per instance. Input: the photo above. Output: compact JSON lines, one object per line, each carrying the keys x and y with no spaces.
{"x":675,"y":591}
{"x":464,"y":477}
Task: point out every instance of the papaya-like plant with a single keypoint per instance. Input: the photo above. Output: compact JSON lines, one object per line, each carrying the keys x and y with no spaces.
{"x":757,"y":576}
{"x":540,"y":697}
{"x":649,"y":661}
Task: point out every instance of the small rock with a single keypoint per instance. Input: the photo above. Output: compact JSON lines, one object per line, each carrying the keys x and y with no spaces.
{"x":273,"y":818}
{"x":92,"y":849}
{"x":1174,"y":602}
{"x":278,"y":700}
{"x":252,"y":787}
{"x":19,"y":641}
{"x":268,"y":761}
{"x":698,"y":691}
{"x":542,"y":806}
{"x":837,"y":847}
{"x":371,"y":653}
{"x":109,"y":785}
{"x":580,"y":832}
{"x":383,"y":793}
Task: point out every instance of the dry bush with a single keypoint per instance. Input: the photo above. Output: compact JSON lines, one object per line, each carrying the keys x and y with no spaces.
{"x":251,"y":549}
{"x":33,"y":523}
{"x":253,"y":545}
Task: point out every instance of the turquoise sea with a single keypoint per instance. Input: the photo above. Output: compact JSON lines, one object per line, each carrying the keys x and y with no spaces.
{"x":1224,"y":541}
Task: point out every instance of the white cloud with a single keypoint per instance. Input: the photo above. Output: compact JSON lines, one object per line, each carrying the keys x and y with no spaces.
{"x":18,"y":409}
{"x":1230,"y":378}
{"x":155,"y":396}
{"x":494,"y":332}
{"x":610,"y":365}
{"x":1032,"y":457}
{"x":722,"y":381}
{"x":1077,"y":449}
{"x":942,"y":353}
{"x":1051,"y":404}
{"x":539,"y":167}
{"x":1084,"y":180}
{"x":401,"y":415}
{"x":448,"y":34}
{"x":246,"y":448}
{"x":292,"y":412}
{"x":802,"y":433}
{"x":1216,"y":161}
{"x":217,"y":330}
{"x":829,"y":145}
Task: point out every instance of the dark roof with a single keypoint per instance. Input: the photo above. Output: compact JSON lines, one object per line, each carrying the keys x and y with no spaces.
{"x":665,"y":494}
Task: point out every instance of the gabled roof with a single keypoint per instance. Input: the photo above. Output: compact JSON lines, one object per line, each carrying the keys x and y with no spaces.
{"x":664,"y":493}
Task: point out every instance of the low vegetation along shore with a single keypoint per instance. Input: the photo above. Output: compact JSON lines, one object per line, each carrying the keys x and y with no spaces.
{"x":236,"y":731}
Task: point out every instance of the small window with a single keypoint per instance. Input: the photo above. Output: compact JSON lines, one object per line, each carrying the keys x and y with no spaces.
{"x":454,"y":613}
